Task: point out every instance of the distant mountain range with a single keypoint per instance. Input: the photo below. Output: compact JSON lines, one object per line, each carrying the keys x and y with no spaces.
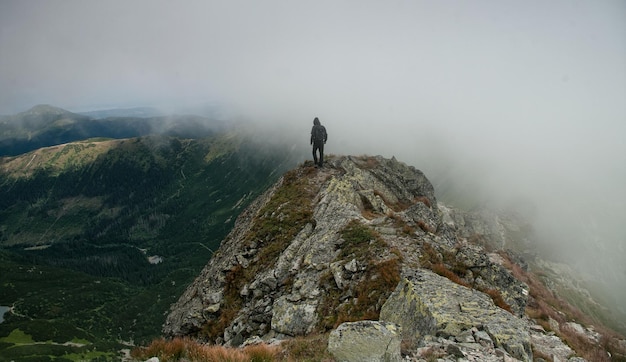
{"x":141,"y":112}
{"x":45,"y":125}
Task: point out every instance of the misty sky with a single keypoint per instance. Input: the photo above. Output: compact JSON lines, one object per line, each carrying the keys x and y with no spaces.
{"x":525,"y":98}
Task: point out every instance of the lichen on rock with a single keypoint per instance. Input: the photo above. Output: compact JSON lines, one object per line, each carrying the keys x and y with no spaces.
{"x":425,"y":303}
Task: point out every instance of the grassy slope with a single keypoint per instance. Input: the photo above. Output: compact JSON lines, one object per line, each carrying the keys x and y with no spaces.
{"x":95,"y":210}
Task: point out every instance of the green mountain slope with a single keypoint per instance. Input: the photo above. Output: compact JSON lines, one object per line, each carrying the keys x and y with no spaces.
{"x":99,"y":237}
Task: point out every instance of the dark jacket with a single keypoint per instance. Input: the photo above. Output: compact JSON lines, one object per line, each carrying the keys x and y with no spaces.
{"x":318,"y":133}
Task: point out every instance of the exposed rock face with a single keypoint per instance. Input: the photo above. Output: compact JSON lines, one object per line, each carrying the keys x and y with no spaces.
{"x":365,"y":341}
{"x":425,"y":303}
{"x":285,"y":297}
{"x":549,"y":345}
{"x":338,"y":244}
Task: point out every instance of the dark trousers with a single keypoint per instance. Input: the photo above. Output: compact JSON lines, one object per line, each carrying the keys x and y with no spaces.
{"x":318,"y":147}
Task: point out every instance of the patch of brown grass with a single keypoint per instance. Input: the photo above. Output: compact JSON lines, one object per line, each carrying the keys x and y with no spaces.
{"x":398,"y":206}
{"x":188,"y":349}
{"x":424,"y":200}
{"x":429,"y":256}
{"x":422,"y":225}
{"x":442,"y":270}
{"x":496,"y":296}
{"x":408,"y":230}
{"x":432,"y":354}
{"x":308,"y":348}
{"x":399,"y":223}
{"x":367,"y":162}
{"x":378,"y":283}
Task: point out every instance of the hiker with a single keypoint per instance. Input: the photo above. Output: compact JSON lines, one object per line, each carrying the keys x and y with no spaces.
{"x":318,"y":139}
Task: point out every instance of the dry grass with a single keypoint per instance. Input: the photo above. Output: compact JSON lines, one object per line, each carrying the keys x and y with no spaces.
{"x":442,"y":270}
{"x":310,"y":348}
{"x":496,"y":296}
{"x":424,"y":200}
{"x":422,"y":225}
{"x":188,"y":349}
{"x":306,"y":349}
{"x":370,"y":293}
{"x":367,"y":162}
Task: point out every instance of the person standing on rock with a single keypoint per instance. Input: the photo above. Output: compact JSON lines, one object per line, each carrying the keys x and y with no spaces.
{"x":318,"y":139}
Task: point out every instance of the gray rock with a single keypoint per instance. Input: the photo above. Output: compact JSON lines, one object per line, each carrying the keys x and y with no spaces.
{"x":352,"y":266}
{"x":483,"y":338}
{"x":587,"y":333}
{"x":293,"y":319}
{"x":466,"y":336}
{"x":425,"y":303}
{"x":550,"y":345}
{"x":365,"y":341}
{"x":454,"y":350}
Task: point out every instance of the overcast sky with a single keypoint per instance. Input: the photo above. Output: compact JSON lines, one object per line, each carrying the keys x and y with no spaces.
{"x":525,"y":98}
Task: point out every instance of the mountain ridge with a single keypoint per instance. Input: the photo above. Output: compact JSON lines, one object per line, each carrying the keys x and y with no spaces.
{"x":324,"y":247}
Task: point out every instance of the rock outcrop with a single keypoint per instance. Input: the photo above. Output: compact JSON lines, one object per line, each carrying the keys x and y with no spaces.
{"x":425,"y":303}
{"x":363,"y":238}
{"x":289,"y":292}
{"x":366,"y":341}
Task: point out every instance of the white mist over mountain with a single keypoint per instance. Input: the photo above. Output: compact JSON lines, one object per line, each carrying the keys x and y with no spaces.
{"x":517,"y":103}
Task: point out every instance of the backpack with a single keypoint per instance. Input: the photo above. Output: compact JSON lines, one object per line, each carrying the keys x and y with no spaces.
{"x":319,"y":133}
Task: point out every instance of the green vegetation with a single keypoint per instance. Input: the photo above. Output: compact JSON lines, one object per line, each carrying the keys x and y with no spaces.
{"x":17,"y":337}
{"x":76,"y":236}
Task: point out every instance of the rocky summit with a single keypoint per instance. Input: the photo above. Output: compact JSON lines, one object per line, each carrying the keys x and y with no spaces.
{"x":362,"y":250}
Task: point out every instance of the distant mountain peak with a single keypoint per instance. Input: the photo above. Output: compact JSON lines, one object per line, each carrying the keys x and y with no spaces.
{"x":46,"y":109}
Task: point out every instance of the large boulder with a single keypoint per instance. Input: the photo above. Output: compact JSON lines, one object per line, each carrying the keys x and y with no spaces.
{"x":365,"y":341}
{"x":293,"y":319}
{"x":425,"y":303}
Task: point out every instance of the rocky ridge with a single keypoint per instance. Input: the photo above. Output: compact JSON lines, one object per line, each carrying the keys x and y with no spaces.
{"x":364,"y":239}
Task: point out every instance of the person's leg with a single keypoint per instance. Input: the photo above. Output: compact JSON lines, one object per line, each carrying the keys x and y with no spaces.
{"x":315,"y":154}
{"x":321,"y":147}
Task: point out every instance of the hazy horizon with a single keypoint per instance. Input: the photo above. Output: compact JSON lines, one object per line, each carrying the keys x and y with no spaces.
{"x":520,"y":103}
